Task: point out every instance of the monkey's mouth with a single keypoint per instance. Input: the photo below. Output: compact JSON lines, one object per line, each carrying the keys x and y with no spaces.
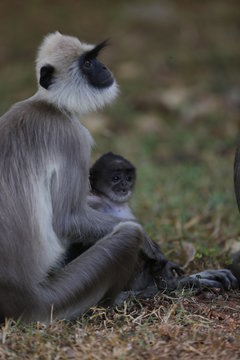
{"x":123,"y":191}
{"x":108,"y":81}
{"x":97,"y":74}
{"x":121,"y":196}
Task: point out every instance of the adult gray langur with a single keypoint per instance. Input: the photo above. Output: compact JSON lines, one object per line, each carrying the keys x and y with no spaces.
{"x":44,"y":166}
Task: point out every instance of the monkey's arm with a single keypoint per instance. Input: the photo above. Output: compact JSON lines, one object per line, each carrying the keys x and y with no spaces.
{"x":95,"y":202}
{"x":88,"y":227}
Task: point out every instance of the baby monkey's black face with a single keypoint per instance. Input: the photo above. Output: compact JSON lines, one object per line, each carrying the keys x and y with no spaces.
{"x":120,"y":179}
{"x":113,"y":176}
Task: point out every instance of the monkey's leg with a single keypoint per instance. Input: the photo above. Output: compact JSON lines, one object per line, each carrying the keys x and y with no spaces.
{"x":101,"y":271}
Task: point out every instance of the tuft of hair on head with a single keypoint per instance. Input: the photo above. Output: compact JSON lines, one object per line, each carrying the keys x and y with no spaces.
{"x":93,"y":53}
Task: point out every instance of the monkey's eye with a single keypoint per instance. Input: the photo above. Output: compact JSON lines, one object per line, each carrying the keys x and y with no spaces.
{"x":87,"y":64}
{"x":115,"y":178}
{"x":128,"y":178}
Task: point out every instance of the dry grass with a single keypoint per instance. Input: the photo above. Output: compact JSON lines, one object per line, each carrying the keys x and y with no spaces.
{"x":183,"y":327}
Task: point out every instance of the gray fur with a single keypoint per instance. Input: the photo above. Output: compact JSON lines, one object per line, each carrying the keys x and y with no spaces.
{"x":40,"y":214}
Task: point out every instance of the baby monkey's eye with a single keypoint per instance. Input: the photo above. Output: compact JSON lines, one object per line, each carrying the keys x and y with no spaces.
{"x":128,"y":178}
{"x":115,"y":178}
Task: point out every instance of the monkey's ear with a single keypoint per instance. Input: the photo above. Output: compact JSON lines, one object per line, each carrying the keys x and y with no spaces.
{"x":46,"y":76}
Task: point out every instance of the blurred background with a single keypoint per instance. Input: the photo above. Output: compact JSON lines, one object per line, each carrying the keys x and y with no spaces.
{"x":177,"y":116}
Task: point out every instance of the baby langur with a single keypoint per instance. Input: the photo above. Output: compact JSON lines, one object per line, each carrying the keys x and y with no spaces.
{"x":112,"y":179}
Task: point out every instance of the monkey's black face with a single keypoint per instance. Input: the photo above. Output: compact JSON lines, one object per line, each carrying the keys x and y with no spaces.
{"x":97,"y":74}
{"x":121,"y":182}
{"x":113,"y":176}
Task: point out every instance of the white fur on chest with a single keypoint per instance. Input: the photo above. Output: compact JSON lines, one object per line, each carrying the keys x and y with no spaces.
{"x":118,"y":210}
{"x":122,"y":211}
{"x":105,"y":205}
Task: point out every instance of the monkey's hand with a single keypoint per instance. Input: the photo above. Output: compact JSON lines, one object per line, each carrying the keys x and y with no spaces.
{"x":208,"y":279}
{"x":221,"y":279}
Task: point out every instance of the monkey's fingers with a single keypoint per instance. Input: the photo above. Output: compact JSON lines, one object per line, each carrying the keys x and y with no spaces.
{"x":233,"y":280}
{"x":222,"y":278}
{"x":219,"y":279}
